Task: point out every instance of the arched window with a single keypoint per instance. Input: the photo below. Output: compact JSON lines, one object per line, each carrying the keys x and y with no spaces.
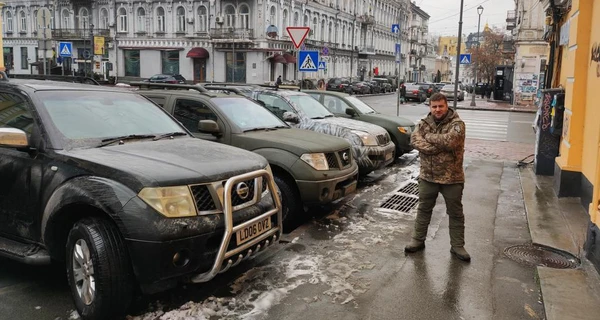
{"x":141,"y":20}
{"x":22,"y":22}
{"x":330,"y":32}
{"x":323,"y":34}
{"x":284,"y":22}
{"x":314,"y":27}
{"x":273,"y":16}
{"x":296,"y":17}
{"x":104,"y":19}
{"x":34,"y":24}
{"x":66,"y":19}
{"x":84,"y":19}
{"x":202,"y":24}
{"x":244,"y":17}
{"x":160,"y":20}
{"x":122,"y":20}
{"x":180,"y":19}
{"x":230,"y":16}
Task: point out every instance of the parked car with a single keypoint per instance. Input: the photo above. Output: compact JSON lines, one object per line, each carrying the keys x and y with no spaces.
{"x":429,"y":88}
{"x":344,"y":105}
{"x":107,"y":182}
{"x":166,"y":78}
{"x":448,"y":91}
{"x":371,"y":145}
{"x":385,"y":84}
{"x":309,"y":168}
{"x":416,"y":92}
{"x":337,"y":84}
{"x":375,"y":86}
{"x":245,"y":90}
{"x":359,"y":87}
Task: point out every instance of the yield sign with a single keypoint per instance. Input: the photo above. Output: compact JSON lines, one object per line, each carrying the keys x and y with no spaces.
{"x":298,"y":34}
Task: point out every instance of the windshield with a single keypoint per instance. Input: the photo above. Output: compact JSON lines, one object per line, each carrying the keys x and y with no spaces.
{"x":361,"y":106}
{"x":247,"y":114}
{"x":448,"y":87}
{"x":310,"y":107}
{"x":81,"y":116}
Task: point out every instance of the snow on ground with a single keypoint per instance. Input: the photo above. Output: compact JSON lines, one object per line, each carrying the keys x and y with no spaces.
{"x":337,"y":268}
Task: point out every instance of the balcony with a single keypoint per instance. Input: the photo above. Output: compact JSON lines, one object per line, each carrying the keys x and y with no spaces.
{"x":366,"y":19}
{"x":231,"y":33}
{"x":366,"y":50}
{"x":78,"y":34}
{"x":511,"y":16}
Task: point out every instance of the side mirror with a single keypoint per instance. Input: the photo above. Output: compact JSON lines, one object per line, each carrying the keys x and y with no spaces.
{"x":290,"y":117}
{"x":351,"y":112}
{"x":208,"y":126}
{"x":13,"y":138}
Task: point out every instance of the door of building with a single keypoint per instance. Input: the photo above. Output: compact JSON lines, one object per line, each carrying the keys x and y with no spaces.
{"x":199,"y":70}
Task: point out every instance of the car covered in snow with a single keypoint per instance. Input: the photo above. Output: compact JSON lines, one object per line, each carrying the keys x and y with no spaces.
{"x":372,"y":146}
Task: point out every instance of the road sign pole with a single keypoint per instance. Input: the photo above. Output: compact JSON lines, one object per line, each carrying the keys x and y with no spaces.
{"x":399,"y":57}
{"x":460,"y":23}
{"x":44,"y":41}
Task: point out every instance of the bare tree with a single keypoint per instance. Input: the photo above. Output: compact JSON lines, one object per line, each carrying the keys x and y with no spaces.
{"x":487,"y":56}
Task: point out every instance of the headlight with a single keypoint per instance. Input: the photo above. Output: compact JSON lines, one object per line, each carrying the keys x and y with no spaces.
{"x":406,"y":130}
{"x":316,"y":160}
{"x":171,"y":202}
{"x":367,"y":139}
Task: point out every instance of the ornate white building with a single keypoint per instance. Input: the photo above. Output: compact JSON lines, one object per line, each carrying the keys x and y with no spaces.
{"x":213,"y":40}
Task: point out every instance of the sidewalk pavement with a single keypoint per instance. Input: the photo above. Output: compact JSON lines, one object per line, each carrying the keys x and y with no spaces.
{"x":561,"y":223}
{"x":492,"y":105}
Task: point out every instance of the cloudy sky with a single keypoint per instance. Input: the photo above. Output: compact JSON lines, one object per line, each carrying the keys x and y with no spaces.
{"x":445,"y":14}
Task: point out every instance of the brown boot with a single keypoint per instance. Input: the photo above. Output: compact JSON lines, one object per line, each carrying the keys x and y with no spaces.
{"x":461,"y":253}
{"x":414,"y":246}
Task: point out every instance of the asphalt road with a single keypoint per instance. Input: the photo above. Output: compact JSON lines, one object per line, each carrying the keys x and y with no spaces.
{"x":481,"y":124}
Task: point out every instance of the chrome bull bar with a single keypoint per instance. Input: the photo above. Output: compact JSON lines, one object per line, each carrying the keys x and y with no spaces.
{"x":275,"y":232}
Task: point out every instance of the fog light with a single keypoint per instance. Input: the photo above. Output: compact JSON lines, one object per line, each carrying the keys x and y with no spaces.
{"x":325,"y":192}
{"x":181,"y":258}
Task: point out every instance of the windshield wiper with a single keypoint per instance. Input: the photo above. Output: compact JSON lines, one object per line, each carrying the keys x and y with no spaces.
{"x":108,"y":141}
{"x":281,"y":127}
{"x":170,"y":135}
{"x":259,"y":129}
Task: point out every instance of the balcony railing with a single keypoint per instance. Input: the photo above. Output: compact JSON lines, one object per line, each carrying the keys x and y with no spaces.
{"x":366,"y":19}
{"x":78,"y":34}
{"x":231,"y":33}
{"x":511,"y":16}
{"x":366,"y":50}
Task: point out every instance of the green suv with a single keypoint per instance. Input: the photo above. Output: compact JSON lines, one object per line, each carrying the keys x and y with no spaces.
{"x":309,"y":168}
{"x":345,"y":105}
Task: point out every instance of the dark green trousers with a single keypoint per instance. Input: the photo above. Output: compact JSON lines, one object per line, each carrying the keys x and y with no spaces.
{"x":452,"y":193}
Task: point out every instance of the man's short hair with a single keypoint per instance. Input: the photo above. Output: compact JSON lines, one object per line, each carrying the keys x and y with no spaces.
{"x":438,"y":97}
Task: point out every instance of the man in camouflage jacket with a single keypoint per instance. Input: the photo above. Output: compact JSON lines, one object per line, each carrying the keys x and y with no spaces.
{"x":440,"y":140}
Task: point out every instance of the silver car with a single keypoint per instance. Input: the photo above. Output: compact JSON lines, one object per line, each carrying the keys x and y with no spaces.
{"x":448,"y":91}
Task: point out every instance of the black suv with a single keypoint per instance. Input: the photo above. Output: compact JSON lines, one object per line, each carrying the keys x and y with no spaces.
{"x":108,"y":182}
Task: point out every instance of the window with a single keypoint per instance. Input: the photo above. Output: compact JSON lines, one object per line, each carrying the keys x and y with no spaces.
{"x":306,"y":21}
{"x":180,"y":19}
{"x":160,"y":20}
{"x":230,"y":16}
{"x":285,"y":21}
{"x":15,"y":113}
{"x":103,"y":19}
{"x":323,"y":34}
{"x":276,"y":104}
{"x":34,"y":24}
{"x":330,"y":32}
{"x":273,"y":16}
{"x":190,"y":112}
{"x":314,"y":28}
{"x":170,"y":62}
{"x":66,"y":19}
{"x":84,"y":19}
{"x":132,"y":63}
{"x":9,"y":22}
{"x":122,"y":20}
{"x":296,"y":17}
{"x":235,"y":71}
{"x":202,"y":19}
{"x":141,"y":20}
{"x":335,"y":104}
{"x":244,"y":17}
{"x":22,"y":22}
{"x":24,"y":58}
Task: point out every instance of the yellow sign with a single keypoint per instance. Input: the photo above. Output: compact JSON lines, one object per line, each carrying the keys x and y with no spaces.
{"x":99,"y":45}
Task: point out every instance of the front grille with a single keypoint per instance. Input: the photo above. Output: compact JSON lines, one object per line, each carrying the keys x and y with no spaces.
{"x":347,"y":162}
{"x":383,"y":139}
{"x":236,"y":199}
{"x":331,"y":160}
{"x":204,"y":200}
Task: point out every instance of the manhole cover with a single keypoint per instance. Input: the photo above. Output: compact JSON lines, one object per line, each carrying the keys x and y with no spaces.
{"x":400,"y":202}
{"x":411,"y":188}
{"x":535,"y":255}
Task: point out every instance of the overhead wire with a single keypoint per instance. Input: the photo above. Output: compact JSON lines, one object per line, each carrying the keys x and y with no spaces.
{"x":454,"y":15}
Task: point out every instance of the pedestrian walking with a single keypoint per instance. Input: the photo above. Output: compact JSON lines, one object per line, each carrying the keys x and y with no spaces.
{"x":278,"y":82}
{"x":440,"y":140}
{"x":402,"y":93}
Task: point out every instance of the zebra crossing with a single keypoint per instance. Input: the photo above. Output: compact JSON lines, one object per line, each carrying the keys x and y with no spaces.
{"x":482,"y":125}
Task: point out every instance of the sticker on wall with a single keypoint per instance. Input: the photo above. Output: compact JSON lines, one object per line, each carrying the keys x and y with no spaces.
{"x":596,"y":57}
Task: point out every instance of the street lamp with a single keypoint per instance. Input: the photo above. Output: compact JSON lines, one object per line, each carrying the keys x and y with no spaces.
{"x":479,"y":11}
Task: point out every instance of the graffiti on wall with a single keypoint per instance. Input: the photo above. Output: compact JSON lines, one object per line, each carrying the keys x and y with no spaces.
{"x":526,"y":88}
{"x":596,"y":57}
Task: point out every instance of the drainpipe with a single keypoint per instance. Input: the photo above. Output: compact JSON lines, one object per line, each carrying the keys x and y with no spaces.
{"x":116,"y":66}
{"x":553,"y":45}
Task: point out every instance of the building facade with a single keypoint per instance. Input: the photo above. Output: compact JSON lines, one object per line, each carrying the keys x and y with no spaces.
{"x":207,"y":40}
{"x":421,"y":50}
{"x":447,"y":46}
{"x":527,"y":24}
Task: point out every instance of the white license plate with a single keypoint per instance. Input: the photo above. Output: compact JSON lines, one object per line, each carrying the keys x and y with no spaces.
{"x":388,"y":156}
{"x":252,"y":231}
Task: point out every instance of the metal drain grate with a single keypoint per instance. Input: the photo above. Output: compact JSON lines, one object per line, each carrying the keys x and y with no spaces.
{"x":535,"y":255}
{"x":411,"y":188}
{"x":400,"y":202}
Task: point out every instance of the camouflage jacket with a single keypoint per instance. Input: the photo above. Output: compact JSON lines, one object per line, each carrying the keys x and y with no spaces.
{"x":441,"y":147}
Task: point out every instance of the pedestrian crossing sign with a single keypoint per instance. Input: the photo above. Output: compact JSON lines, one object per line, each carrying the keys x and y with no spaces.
{"x":308,"y":60}
{"x":65,"y":49}
{"x":465,"y":58}
{"x":322,"y":65}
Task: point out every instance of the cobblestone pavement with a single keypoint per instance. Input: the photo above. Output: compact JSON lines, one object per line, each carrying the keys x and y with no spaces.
{"x":498,"y":150}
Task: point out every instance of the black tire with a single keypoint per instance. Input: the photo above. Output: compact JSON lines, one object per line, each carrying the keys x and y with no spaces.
{"x":112,"y":273}
{"x":291,"y":205}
